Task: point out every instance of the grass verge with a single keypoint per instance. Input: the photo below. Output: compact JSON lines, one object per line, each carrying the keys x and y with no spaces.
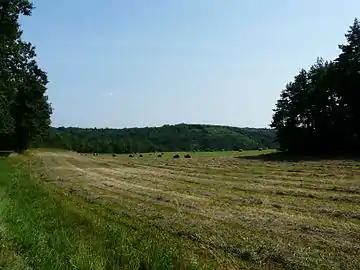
{"x":43,"y":227}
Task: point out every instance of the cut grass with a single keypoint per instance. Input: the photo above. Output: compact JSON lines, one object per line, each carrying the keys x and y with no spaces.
{"x":195,"y":154}
{"x":236,"y":212}
{"x":44,"y":227}
{"x":101,"y":212}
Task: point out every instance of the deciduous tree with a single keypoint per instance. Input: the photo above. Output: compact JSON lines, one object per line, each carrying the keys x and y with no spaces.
{"x":25,"y":110}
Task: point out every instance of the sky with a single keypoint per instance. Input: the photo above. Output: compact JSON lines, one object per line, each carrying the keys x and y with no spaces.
{"x":136,"y":63}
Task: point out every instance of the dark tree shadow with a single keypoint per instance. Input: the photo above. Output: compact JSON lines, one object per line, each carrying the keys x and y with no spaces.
{"x":285,"y":157}
{"x":5,"y":153}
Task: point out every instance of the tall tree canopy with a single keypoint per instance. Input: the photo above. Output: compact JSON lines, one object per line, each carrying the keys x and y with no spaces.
{"x":318,"y":113}
{"x":24,"y":108}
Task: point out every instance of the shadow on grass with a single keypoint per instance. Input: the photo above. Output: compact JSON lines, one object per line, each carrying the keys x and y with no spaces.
{"x":285,"y":157}
{"x":5,"y":153}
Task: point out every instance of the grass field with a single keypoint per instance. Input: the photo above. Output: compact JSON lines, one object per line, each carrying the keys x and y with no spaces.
{"x":198,"y":154}
{"x":216,"y":210}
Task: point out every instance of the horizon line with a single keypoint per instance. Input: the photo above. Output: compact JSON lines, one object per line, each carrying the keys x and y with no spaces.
{"x":159,"y":126}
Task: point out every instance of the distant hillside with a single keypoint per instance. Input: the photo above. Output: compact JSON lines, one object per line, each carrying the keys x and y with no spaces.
{"x":181,"y":137}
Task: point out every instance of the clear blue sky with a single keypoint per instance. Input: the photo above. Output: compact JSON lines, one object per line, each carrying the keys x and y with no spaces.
{"x":117,"y":63}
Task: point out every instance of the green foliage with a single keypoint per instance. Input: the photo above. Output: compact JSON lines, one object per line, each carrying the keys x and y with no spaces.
{"x":24,"y":109}
{"x":168,"y":138}
{"x":318,"y":113}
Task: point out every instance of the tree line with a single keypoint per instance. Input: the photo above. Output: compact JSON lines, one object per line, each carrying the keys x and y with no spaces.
{"x":182,"y":137}
{"x":24,"y":108}
{"x":318,"y":112}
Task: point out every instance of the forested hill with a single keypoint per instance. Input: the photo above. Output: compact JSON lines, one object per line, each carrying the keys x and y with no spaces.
{"x":182,"y":137}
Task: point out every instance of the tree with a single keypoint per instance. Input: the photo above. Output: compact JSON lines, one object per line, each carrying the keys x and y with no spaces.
{"x":25,"y":107}
{"x":318,"y":113}
{"x":161,"y":139}
{"x":349,"y":82}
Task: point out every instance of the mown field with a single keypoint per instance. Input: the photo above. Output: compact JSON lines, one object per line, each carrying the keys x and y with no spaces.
{"x":220,"y":210}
